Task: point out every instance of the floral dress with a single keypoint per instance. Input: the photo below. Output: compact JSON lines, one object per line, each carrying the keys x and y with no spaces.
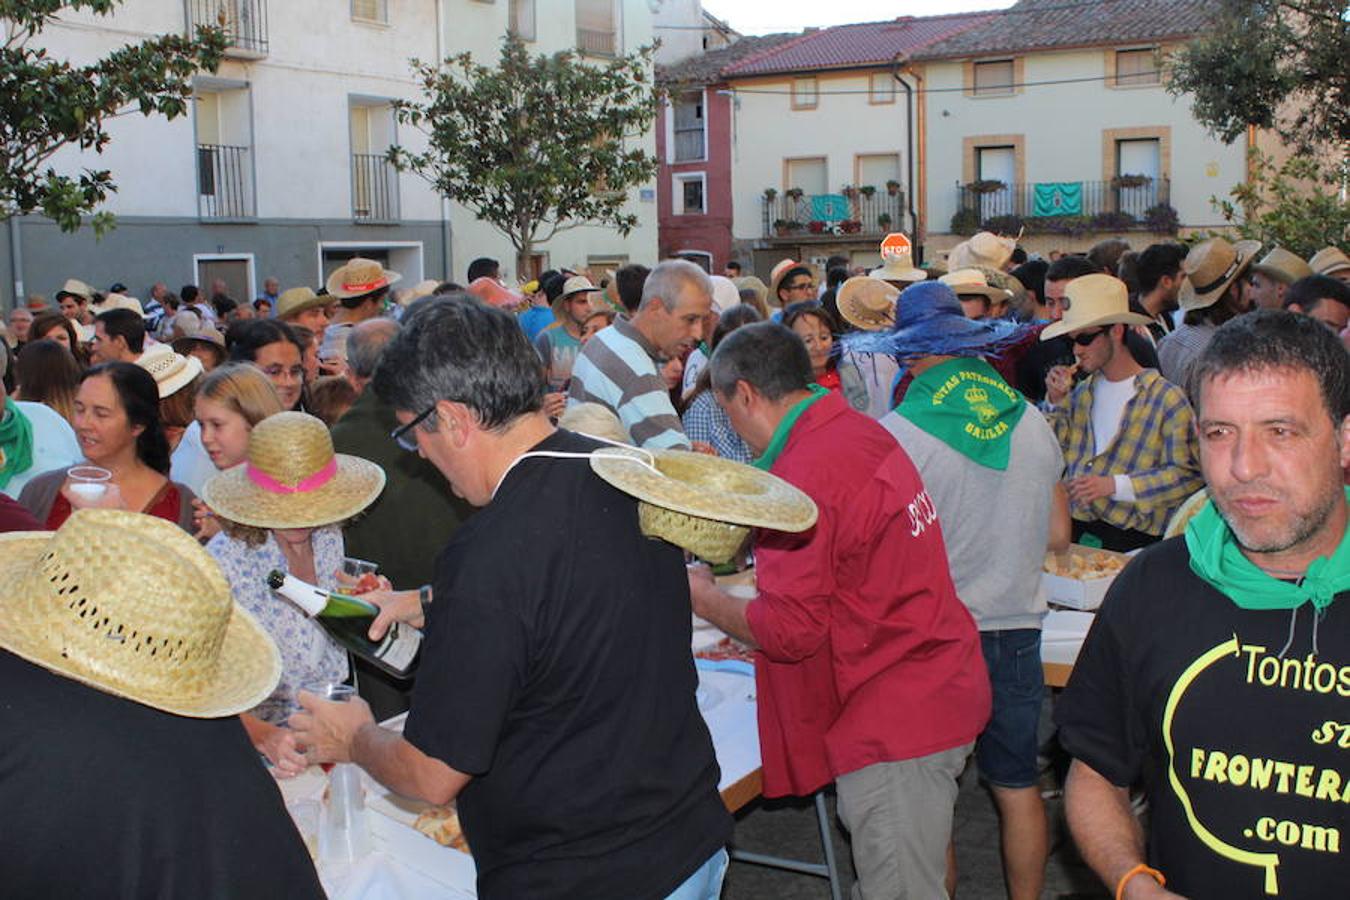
{"x":307,"y":652}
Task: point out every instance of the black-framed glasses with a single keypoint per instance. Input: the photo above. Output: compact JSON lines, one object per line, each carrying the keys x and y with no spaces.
{"x":403,"y":435}
{"x":1086,"y":338}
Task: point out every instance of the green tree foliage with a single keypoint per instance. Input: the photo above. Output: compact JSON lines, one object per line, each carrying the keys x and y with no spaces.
{"x":47,"y":104}
{"x":1266,"y":59}
{"x":1296,"y":205}
{"x":535,"y":145}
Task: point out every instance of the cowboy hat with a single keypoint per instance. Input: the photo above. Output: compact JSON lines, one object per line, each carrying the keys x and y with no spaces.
{"x":298,"y":299}
{"x":132,"y":605}
{"x":1210,"y":267}
{"x":867,"y":302}
{"x":1094,"y":300}
{"x":359,"y":277}
{"x":76,"y":288}
{"x":577,"y":284}
{"x":898,"y":267}
{"x":292,"y":478}
{"x":1329,"y":260}
{"x":931,"y":322}
{"x":705,"y":504}
{"x":973,"y":281}
{"x":779,"y":272}
{"x":1282,"y":266}
{"x":984,"y":248}
{"x":172,"y":371}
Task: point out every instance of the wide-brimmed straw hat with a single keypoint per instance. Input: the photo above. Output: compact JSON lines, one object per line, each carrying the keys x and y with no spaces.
{"x":76,"y":288}
{"x":424,"y":288}
{"x":983,"y":248}
{"x":1210,"y":267}
{"x":133,"y":606}
{"x":705,"y":504}
{"x":359,"y":277}
{"x":867,"y":303}
{"x":297,"y":300}
{"x":1329,"y":260}
{"x":752,"y":283}
{"x":188,"y":328}
{"x":172,"y":371}
{"x":1094,"y":300}
{"x":292,"y":478}
{"x":898,"y":267}
{"x":931,"y":322}
{"x":1283,"y":266}
{"x":973,"y":281}
{"x":577,"y":284}
{"x":117,"y":301}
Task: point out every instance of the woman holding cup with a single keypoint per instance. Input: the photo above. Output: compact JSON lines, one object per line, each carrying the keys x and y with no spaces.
{"x":125,"y":451}
{"x":283,"y":509}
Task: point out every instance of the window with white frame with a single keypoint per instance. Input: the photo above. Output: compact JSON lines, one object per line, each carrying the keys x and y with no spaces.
{"x":371,"y":11}
{"x":521,"y":22}
{"x":1135,"y":67}
{"x":993,"y":77}
{"x":805,"y":93}
{"x":881,"y":88}
{"x":690,"y":194}
{"x":688,"y":125}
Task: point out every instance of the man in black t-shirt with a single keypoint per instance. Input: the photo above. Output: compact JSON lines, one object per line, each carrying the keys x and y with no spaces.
{"x":556,"y":692}
{"x":1218,"y":670}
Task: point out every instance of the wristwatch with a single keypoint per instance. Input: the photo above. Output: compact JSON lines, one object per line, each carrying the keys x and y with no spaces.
{"x":424,"y":597}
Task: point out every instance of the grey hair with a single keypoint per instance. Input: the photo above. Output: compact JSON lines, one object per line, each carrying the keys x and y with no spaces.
{"x":366,"y":343}
{"x":769,"y":357}
{"x":669,"y":280}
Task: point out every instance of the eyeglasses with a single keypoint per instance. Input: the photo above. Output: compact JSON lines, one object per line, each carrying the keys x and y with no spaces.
{"x":403,"y":435}
{"x":1083,"y":340}
{"x":799,"y":286}
{"x":275,"y":372}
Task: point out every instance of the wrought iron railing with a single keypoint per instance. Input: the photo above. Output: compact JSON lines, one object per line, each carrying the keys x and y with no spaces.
{"x":595,"y":42}
{"x":868,"y":214}
{"x":1128,"y":203}
{"x":374,"y":188}
{"x":224,"y":182}
{"x":244,"y":22}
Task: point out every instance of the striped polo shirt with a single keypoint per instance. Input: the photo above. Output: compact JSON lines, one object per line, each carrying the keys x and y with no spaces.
{"x":617,"y":368}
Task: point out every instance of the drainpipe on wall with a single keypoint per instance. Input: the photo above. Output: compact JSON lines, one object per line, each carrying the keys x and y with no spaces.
{"x":16,"y":260}
{"x":447,"y":273}
{"x":909,"y":156}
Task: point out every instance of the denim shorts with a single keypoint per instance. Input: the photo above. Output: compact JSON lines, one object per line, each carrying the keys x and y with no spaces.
{"x":1006,"y":750}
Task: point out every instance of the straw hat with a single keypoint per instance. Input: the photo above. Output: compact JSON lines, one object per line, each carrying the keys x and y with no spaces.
{"x":1210,"y":268}
{"x":982,"y":249}
{"x":117,"y":301}
{"x":188,"y":327}
{"x":422,"y":289}
{"x":898,"y":267}
{"x":297,"y":300}
{"x":725,"y":294}
{"x":596,"y":420}
{"x":577,"y":284}
{"x":867,"y":302}
{"x":973,"y":281}
{"x":779,"y":272}
{"x":172,"y":371}
{"x":1094,"y":300}
{"x":76,"y":288}
{"x":705,"y":504}
{"x":1329,"y":260}
{"x":359,"y":277}
{"x":133,"y":606}
{"x":1283,"y":266}
{"x":292,"y":478}
{"x":752,"y":283}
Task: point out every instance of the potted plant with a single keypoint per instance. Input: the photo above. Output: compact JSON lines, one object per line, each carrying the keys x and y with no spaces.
{"x":985,"y":186}
{"x":795,"y":193}
{"x":884,"y":221}
{"x":850,"y":226}
{"x":867,"y":190}
{"x":1131,"y":181}
{"x":849,"y":191}
{"x":770,"y":195}
{"x":815,"y":226}
{"x":1162,"y":219}
{"x":966,"y":221}
{"x":780,"y":226}
{"x":892,"y":187}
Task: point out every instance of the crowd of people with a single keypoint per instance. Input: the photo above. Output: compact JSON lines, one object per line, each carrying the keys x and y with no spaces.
{"x":951,"y":425}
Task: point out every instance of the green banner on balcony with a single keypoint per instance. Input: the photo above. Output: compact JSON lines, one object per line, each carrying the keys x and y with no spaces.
{"x":1058,"y":198}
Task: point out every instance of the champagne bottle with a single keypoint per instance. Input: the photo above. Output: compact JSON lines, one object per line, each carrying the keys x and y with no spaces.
{"x":347,"y":619}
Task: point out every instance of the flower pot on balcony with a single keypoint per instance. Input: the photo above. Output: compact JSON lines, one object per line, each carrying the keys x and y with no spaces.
{"x":794,"y":193}
{"x":985,"y":186}
{"x":892,"y":187}
{"x":815,"y":226}
{"x":867,"y":190}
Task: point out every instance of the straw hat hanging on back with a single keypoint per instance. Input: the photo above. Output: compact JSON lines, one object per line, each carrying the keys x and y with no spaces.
{"x":292,"y":478}
{"x":704,"y":504}
{"x":133,"y":606}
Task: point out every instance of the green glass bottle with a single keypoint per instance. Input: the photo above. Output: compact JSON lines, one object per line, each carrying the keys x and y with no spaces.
{"x":347,"y":620}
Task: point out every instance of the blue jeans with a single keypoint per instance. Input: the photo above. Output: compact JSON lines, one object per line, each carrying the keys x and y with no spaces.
{"x":706,"y":882}
{"x":1006,"y":750}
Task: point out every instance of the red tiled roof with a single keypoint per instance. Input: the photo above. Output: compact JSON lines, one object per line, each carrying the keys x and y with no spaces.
{"x":706,"y":67}
{"x":861,"y":44}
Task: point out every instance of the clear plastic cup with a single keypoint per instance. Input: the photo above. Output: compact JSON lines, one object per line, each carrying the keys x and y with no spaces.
{"x":358,"y":567}
{"x":87,"y":486}
{"x":330,"y":690}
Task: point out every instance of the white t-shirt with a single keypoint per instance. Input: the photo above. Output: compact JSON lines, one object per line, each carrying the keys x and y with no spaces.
{"x":1109,"y":399}
{"x":54,"y":443}
{"x":190,"y":464}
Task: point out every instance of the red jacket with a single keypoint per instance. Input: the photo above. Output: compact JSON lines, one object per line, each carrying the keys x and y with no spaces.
{"x":866,"y":653}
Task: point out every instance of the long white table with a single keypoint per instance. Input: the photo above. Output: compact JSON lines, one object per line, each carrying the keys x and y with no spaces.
{"x":406,"y":865}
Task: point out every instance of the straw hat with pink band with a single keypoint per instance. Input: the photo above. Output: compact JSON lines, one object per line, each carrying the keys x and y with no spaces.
{"x":292,"y":478}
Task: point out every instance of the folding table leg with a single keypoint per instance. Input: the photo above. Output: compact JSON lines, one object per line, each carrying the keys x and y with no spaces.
{"x":827,"y":844}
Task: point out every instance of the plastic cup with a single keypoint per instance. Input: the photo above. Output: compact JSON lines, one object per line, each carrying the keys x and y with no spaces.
{"x":358,"y":567}
{"x":87,"y":485}
{"x":330,"y":690}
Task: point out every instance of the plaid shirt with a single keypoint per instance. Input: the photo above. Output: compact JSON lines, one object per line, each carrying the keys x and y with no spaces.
{"x":1155,"y":447}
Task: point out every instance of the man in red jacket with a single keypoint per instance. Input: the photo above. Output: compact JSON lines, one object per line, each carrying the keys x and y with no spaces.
{"x":869,"y":670}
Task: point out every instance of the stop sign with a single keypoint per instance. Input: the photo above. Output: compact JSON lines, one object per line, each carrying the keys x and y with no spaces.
{"x":895,"y":244}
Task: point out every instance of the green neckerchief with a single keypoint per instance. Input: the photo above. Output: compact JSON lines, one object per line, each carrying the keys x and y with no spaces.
{"x":969,"y":407}
{"x":1216,"y":557}
{"x":780,"y":434}
{"x":16,"y":442}
{"x":707,"y":351}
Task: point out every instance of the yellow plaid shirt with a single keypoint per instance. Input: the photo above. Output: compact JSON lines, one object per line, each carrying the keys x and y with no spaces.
{"x":1155,"y":447}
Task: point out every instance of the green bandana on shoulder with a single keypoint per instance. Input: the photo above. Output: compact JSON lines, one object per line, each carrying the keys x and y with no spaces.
{"x":1217,"y":558}
{"x":784,"y":429}
{"x":16,"y":442}
{"x":968,"y":406}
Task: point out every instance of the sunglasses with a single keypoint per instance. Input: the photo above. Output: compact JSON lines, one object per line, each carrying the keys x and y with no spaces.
{"x":1083,"y":340}
{"x":403,"y":435}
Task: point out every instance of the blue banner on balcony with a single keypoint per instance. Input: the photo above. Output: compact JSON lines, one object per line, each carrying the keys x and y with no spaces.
{"x":1058,"y":198}
{"x":829,"y":207}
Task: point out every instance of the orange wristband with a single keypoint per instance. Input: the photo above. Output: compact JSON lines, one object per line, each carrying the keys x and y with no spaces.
{"x":1139,"y":869}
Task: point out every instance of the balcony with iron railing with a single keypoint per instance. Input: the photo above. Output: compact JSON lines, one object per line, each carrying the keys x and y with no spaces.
{"x":799,"y":217}
{"x":374,"y":188}
{"x":596,"y":42}
{"x":224,"y":182}
{"x":244,"y":23}
{"x":1124,"y":203}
